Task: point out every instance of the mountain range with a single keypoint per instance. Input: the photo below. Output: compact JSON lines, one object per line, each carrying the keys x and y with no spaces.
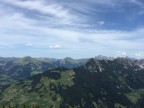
{"x":12,"y":69}
{"x":98,"y":82}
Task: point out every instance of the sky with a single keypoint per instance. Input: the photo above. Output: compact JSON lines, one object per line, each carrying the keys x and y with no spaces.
{"x":72,"y":28}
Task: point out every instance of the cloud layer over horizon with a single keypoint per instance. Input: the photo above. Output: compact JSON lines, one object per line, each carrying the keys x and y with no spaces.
{"x":45,"y":28}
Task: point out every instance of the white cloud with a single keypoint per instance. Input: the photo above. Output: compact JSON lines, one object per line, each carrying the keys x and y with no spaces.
{"x":54,"y":46}
{"x":137,"y":2}
{"x":19,"y":29}
{"x":29,"y":44}
{"x":101,"y":23}
{"x":53,"y":10}
{"x":141,"y":12}
{"x":120,"y":54}
{"x":104,"y":2}
{"x":139,"y":54}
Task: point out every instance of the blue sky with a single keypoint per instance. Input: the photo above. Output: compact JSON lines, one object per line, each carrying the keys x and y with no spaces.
{"x":74,"y":28}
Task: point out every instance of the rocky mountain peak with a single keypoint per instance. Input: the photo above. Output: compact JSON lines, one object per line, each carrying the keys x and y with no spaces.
{"x":93,"y":65}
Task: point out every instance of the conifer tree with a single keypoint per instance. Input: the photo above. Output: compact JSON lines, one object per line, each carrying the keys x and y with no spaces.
{"x":35,"y":106}
{"x":3,"y":106}
{"x":24,"y":105}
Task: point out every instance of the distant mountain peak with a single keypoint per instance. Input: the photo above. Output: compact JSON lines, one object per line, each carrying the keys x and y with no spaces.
{"x":101,"y":57}
{"x":68,"y":58}
{"x":94,"y":65}
{"x":27,"y":58}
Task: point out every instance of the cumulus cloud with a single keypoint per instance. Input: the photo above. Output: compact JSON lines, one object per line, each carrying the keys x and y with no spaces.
{"x":56,"y":46}
{"x":101,"y":23}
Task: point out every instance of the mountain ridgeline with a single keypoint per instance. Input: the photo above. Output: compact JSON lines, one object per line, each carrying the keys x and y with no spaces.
{"x":13,"y":69}
{"x":20,"y":68}
{"x":98,"y":83}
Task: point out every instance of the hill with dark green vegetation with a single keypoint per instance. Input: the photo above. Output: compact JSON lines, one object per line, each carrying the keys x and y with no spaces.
{"x":12,"y":69}
{"x":104,"y":83}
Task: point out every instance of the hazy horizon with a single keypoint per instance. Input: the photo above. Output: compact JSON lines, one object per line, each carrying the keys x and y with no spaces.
{"x":98,"y":56}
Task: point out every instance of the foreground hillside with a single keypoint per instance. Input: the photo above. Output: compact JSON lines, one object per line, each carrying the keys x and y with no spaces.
{"x":117,"y":83}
